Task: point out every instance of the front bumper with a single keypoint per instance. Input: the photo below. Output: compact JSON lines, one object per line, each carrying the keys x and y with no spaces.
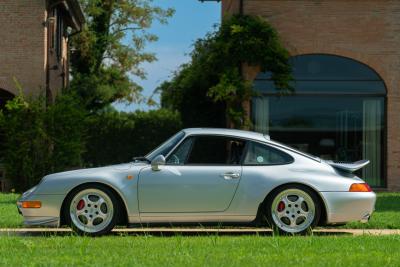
{"x":47,"y":215}
{"x":345,"y":207}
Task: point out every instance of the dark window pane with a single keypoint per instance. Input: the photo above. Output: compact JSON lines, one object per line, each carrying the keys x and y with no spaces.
{"x":216,"y":150}
{"x":259,"y":154}
{"x":327,"y":68}
{"x":326,"y":87}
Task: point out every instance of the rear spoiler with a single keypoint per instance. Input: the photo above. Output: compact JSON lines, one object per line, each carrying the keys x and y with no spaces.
{"x":348,"y":166}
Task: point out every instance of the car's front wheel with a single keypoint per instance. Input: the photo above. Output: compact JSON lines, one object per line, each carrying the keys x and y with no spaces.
{"x":92,"y":210}
{"x":293,"y":209}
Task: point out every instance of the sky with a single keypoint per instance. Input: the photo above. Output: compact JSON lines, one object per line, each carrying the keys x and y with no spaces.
{"x":192,"y":20}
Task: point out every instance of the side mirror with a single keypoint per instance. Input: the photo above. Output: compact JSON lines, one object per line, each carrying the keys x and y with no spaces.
{"x":156,"y":162}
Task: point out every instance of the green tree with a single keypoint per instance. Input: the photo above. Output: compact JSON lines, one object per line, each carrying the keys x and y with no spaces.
{"x":102,"y":63}
{"x":212,"y":81}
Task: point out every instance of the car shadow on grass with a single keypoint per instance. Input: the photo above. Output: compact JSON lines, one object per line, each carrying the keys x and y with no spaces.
{"x":164,"y":233}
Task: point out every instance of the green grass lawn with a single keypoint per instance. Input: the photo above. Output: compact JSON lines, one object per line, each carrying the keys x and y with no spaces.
{"x":208,"y":250}
{"x":9,"y":216}
{"x":200,"y":251}
{"x":387,"y":214}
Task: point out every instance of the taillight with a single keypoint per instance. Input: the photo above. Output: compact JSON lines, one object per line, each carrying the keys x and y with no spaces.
{"x":361,"y":187}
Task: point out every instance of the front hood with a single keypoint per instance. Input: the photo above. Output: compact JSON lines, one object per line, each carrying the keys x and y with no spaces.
{"x":118,"y":167}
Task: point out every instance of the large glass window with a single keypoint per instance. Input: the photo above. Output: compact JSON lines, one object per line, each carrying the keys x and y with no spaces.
{"x":336,"y":111}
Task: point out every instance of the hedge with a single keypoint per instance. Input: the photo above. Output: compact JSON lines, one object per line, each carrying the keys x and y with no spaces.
{"x":116,"y":137}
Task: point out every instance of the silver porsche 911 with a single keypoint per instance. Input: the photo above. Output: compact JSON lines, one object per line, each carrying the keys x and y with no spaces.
{"x":205,"y":176}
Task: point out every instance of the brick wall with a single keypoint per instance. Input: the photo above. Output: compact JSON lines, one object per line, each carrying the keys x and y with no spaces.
{"x":22,"y":49}
{"x":367,"y":31}
{"x":230,"y":7}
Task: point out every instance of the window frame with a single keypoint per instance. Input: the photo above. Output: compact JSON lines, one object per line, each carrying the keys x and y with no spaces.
{"x":172,"y":149}
{"x":207,"y":135}
{"x":245,"y":150}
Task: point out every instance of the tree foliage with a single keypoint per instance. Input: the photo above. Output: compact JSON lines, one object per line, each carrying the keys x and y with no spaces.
{"x":37,"y":140}
{"x":213,"y":79}
{"x":103,"y":60}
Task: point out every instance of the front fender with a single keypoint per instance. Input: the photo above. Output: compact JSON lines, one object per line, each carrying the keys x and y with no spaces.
{"x":122,"y":182}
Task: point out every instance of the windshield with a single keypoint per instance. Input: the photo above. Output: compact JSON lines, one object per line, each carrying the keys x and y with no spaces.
{"x":166,"y":146}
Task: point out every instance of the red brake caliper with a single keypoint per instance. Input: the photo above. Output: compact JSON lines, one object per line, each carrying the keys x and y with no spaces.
{"x":81,"y":204}
{"x":281,"y":206}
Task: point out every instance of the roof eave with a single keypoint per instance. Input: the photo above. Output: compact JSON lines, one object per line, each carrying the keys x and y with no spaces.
{"x":76,"y":14}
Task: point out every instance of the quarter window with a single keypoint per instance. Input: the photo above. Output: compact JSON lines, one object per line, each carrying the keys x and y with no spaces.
{"x":259,"y":154}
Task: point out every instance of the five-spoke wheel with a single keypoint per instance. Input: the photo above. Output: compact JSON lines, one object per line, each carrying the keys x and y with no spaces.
{"x":92,"y":210}
{"x":293,"y":209}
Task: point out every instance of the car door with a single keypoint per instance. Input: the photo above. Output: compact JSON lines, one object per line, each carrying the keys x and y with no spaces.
{"x":200,"y":175}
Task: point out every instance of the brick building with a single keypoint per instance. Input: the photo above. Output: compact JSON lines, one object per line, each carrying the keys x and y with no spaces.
{"x":34,"y":45}
{"x":346,"y":61}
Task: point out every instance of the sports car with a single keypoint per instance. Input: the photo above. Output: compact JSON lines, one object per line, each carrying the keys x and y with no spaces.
{"x":205,"y":175}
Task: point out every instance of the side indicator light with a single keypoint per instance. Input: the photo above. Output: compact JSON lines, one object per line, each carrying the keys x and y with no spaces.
{"x":31,"y":204}
{"x":361,"y":187}
{"x":129,"y":177}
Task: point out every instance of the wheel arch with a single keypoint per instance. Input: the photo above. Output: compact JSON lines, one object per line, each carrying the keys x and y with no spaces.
{"x":124,"y":220}
{"x":324,"y":207}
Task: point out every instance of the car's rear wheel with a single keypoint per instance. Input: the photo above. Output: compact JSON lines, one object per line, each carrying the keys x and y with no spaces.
{"x":92,"y":210}
{"x":293,"y":209}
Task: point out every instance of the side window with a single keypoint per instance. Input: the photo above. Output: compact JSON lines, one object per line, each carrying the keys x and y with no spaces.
{"x":179,"y":156}
{"x":259,"y":154}
{"x":215,"y":150}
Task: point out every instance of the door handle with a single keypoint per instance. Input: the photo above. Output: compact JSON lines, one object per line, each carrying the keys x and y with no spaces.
{"x":230,"y":175}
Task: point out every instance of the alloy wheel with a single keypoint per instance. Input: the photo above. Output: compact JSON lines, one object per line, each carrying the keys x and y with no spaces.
{"x":293,"y":210}
{"x":91,"y":210}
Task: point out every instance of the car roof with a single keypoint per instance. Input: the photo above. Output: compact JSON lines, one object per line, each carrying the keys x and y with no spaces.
{"x":231,"y":132}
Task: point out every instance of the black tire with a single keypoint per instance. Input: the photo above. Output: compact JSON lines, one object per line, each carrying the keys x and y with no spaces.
{"x":115,"y":203}
{"x":268,"y":209}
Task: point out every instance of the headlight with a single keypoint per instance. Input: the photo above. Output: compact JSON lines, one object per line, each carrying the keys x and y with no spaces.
{"x":30,"y":191}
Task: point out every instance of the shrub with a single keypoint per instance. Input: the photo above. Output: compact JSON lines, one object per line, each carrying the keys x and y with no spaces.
{"x":116,"y":137}
{"x":39,"y":140}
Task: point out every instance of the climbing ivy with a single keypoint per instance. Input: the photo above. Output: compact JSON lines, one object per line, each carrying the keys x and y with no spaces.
{"x":216,"y":68}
